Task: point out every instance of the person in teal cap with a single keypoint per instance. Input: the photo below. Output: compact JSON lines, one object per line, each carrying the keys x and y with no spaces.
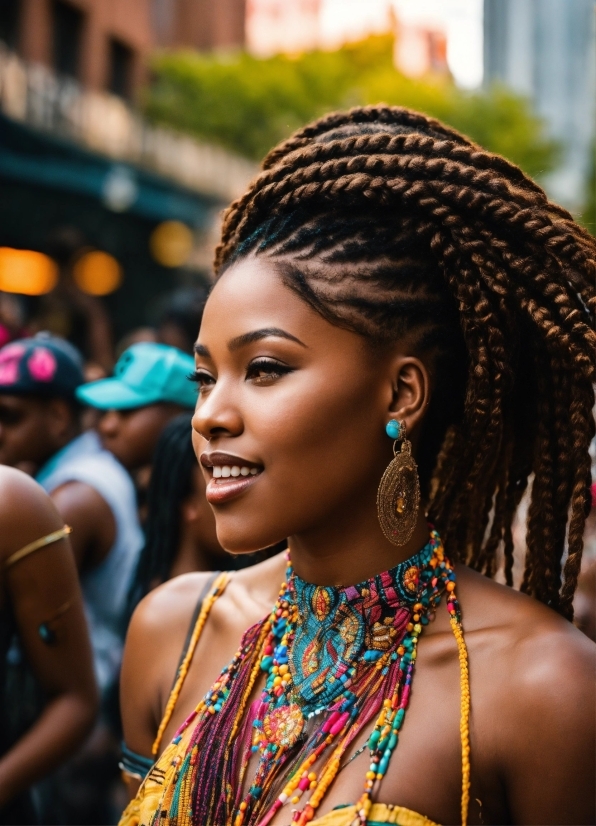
{"x":149,"y":387}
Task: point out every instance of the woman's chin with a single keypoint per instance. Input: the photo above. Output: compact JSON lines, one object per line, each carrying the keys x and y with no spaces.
{"x":237,"y":545}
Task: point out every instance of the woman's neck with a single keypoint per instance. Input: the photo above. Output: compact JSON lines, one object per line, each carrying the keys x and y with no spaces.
{"x":332,"y":556}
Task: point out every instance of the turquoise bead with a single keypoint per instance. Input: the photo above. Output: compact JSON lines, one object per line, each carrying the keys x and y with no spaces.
{"x":399,"y":717}
{"x":393,"y":429}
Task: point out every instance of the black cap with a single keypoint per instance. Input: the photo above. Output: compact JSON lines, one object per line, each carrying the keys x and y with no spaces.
{"x":44,"y":365}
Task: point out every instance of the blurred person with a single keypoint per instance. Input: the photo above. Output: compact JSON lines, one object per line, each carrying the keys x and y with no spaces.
{"x":180,"y":530}
{"x":40,"y":430}
{"x":136,"y":336}
{"x":44,"y":722}
{"x":68,"y":311}
{"x":12,"y":317}
{"x":149,"y":387}
{"x":180,"y":318}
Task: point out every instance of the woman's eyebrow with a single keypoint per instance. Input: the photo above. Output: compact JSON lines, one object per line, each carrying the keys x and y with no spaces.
{"x":257,"y":335}
{"x":201,"y":350}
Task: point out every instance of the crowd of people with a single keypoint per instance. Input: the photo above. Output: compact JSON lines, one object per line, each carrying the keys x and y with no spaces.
{"x":115,"y":459}
{"x":103,"y":500}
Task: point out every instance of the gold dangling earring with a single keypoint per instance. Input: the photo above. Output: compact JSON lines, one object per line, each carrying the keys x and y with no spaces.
{"x":398,"y":497}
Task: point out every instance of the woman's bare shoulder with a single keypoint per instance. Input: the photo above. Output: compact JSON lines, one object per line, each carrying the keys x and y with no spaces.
{"x":169,"y":606}
{"x":530,"y":663}
{"x":26,"y":511}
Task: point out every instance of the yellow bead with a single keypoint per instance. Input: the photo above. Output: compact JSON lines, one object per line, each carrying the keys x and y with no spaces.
{"x":283,"y":669}
{"x":312,"y":776}
{"x":277,"y":681}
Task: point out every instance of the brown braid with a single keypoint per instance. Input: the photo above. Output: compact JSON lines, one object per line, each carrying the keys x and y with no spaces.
{"x":388,"y":222}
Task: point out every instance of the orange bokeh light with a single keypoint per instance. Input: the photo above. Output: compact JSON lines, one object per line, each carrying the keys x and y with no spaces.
{"x":97,"y":273}
{"x":26,"y":272}
{"x":171,"y":243}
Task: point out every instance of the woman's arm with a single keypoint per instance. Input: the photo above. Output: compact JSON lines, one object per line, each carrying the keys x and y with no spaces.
{"x":43,"y":587}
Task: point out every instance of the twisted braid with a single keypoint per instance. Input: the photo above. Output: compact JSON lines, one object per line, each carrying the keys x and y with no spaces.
{"x":388,"y":222}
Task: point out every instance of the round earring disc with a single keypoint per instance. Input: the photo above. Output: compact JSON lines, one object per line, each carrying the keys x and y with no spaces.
{"x":398,"y":499}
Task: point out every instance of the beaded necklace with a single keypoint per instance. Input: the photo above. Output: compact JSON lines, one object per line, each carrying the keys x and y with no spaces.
{"x":333,"y":659}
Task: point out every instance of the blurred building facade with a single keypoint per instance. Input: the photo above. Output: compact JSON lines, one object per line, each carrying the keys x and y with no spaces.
{"x":420,"y":50}
{"x":199,"y":24}
{"x":104,"y":44}
{"x":80,"y":168}
{"x":546,"y":50}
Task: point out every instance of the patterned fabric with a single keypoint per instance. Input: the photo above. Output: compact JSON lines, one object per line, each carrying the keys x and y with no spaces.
{"x":379,"y":814}
{"x":356,"y":624}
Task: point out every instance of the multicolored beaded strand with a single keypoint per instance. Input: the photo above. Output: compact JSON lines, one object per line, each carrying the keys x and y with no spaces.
{"x":303,"y":680}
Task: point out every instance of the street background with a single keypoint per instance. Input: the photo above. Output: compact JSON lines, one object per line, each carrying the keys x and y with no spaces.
{"x":127,"y":125}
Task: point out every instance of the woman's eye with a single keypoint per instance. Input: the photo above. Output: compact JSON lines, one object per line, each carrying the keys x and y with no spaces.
{"x":201,"y":379}
{"x":266,"y":371}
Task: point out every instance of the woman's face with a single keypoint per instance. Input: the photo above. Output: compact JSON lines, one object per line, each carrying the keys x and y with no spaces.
{"x":293,"y":408}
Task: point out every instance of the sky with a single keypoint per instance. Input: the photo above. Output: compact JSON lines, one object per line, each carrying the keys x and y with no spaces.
{"x":461,"y":20}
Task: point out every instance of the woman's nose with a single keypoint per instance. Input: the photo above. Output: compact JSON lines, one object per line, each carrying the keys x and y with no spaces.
{"x":217,"y":416}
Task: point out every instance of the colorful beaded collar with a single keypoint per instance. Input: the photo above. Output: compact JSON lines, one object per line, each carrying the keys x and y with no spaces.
{"x":333,"y":660}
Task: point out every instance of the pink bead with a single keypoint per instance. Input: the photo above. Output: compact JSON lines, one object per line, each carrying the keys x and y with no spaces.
{"x":330,"y":721}
{"x":304,"y":784}
{"x":337,"y":727}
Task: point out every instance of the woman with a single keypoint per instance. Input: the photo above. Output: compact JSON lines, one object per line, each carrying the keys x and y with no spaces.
{"x":42,"y":608}
{"x":382,"y":277}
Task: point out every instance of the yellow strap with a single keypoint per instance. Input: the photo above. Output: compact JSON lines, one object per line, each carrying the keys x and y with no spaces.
{"x":464,"y":722}
{"x":39,"y":543}
{"x":216,"y":591}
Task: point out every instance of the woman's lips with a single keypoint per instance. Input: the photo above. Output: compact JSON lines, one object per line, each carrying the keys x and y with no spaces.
{"x":223,"y":489}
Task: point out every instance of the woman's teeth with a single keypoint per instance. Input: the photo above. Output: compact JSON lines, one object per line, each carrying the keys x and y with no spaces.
{"x":222,"y":472}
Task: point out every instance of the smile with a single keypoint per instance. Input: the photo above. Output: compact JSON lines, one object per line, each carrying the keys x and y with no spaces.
{"x":230,"y":476}
{"x":223,"y":472}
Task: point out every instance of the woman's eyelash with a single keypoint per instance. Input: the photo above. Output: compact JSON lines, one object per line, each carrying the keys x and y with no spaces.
{"x":269,"y":367}
{"x":271,"y":370}
{"x":199,"y":377}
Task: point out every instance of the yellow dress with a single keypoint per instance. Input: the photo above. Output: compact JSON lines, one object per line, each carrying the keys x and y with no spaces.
{"x":141,"y":810}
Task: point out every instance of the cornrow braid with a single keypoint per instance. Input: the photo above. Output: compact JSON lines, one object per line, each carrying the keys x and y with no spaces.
{"x":388,"y":223}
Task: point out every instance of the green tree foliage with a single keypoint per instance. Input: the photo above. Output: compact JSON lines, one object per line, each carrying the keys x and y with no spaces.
{"x":588,"y":217}
{"x":248,"y":104}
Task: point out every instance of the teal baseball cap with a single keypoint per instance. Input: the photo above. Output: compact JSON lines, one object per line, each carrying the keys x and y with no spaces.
{"x":145,"y":373}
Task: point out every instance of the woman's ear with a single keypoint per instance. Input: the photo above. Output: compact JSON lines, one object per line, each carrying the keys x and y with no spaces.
{"x":411,"y":392}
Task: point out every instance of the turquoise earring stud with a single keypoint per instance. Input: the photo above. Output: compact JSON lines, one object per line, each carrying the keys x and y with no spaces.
{"x":394,"y":429}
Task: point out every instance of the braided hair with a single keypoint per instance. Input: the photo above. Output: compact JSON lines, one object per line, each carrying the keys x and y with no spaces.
{"x":389,"y":223}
